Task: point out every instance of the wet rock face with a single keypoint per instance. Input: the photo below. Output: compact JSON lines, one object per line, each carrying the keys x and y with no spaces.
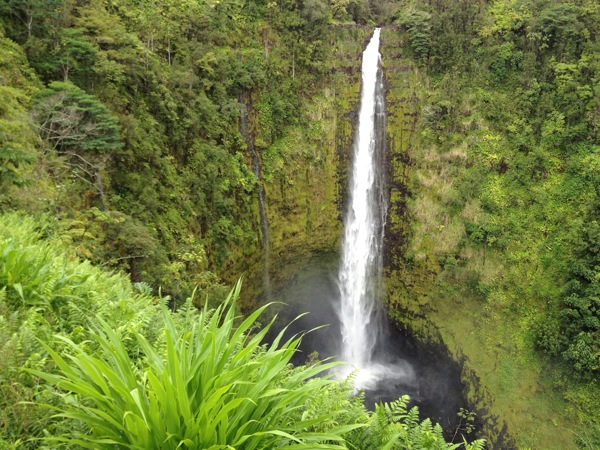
{"x":424,"y":371}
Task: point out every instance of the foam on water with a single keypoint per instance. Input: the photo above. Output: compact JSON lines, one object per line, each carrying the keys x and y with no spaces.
{"x":376,"y":374}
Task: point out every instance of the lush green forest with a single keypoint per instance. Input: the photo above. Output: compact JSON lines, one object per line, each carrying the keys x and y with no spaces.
{"x":137,"y":136}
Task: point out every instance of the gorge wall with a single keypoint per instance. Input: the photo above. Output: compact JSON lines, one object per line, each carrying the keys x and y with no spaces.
{"x":446,"y":286}
{"x":305,"y":170}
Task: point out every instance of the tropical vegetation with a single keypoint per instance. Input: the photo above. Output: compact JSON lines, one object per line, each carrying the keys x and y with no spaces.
{"x":91,"y":361}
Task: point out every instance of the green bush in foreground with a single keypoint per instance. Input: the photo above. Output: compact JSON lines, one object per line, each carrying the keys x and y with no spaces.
{"x":44,"y":291}
{"x":212,"y":386}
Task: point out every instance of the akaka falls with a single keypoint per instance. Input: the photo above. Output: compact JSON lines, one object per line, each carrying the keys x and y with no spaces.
{"x":359,"y":275}
{"x":343,"y":293}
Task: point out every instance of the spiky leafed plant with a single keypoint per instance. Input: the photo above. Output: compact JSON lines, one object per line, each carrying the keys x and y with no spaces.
{"x":212,"y":386}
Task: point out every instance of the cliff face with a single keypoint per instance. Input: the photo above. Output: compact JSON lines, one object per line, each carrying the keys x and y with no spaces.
{"x":471,"y":261}
{"x":414,"y":296}
{"x":304,"y":170}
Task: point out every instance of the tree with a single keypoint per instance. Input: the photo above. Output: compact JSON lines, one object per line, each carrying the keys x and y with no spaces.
{"x":34,"y":15}
{"x":71,"y":120}
{"x":74,"y":53}
{"x":78,"y":126}
{"x":418,"y":27}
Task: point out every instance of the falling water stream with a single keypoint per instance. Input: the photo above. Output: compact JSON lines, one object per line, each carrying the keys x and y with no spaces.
{"x":359,"y":276}
{"x":359,"y":267}
{"x":264,"y":224}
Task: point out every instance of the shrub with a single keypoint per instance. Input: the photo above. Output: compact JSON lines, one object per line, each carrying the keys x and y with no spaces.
{"x":212,"y":386}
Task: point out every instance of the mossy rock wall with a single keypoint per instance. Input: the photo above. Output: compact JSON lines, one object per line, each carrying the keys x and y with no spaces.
{"x":304,"y":171}
{"x":504,"y":380}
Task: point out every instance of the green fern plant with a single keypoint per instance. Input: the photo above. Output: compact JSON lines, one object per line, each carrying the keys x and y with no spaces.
{"x":43,"y":291}
{"x":393,"y":426}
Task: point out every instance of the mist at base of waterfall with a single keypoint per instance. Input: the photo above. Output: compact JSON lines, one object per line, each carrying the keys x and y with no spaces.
{"x":377,"y":375}
{"x":399,"y":364}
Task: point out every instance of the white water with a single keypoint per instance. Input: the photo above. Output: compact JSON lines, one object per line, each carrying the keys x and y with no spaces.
{"x":360,"y":266}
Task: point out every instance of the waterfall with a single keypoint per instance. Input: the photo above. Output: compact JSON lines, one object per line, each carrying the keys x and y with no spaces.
{"x":360,"y":267}
{"x":264,"y":224}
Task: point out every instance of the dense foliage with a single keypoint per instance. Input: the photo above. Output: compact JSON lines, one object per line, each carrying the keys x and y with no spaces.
{"x":126,"y":372}
{"x":44,"y":291}
{"x":526,"y":113}
{"x":138,"y":130}
{"x":504,"y":188}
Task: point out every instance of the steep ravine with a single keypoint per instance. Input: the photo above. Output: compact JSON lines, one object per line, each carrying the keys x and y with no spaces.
{"x":305,"y":193}
{"x":305,"y":196}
